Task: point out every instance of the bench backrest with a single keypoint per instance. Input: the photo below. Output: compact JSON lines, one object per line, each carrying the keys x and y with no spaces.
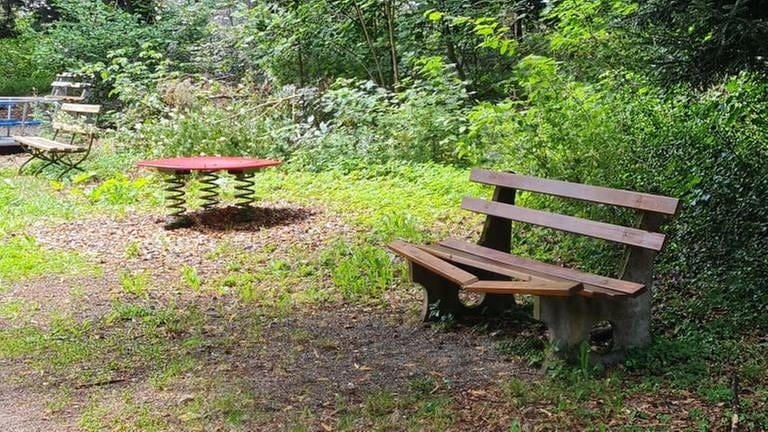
{"x":644,"y":237}
{"x":66,"y":88}
{"x":76,"y":119}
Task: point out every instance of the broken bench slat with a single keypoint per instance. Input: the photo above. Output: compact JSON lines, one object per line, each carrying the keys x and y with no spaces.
{"x":475,"y":261}
{"x":484,"y":263}
{"x":433,"y":263}
{"x":540,"y":288}
{"x":604,"y":285}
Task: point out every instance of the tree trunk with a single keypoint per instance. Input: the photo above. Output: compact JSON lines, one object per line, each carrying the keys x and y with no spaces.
{"x":389,"y":9}
{"x":369,"y":42}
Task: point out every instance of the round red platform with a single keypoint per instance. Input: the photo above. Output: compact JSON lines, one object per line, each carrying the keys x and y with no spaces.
{"x":232,"y":164}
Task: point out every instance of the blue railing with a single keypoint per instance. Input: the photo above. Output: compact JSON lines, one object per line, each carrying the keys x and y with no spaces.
{"x":12,"y":120}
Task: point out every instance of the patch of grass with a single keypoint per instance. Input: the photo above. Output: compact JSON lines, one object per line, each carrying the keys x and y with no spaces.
{"x":275,"y":281}
{"x":190,"y":278}
{"x":25,"y":199}
{"x":426,"y":406}
{"x":360,"y":272}
{"x":121,"y":191}
{"x":21,"y":257}
{"x":226,"y":405}
{"x":136,"y":284}
{"x":122,"y":311}
{"x":313,"y":294}
{"x":251,"y":288}
{"x":133,"y":249}
{"x":162,"y":378}
{"x":20,"y":341}
{"x":121,"y":416}
{"x":60,"y":401}
{"x":130,"y":339}
{"x":17,"y":310}
{"x":408,"y":201}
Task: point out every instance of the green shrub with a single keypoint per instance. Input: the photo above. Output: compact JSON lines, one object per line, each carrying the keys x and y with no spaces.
{"x":121,"y":190}
{"x":19,"y":75}
{"x":707,"y":148}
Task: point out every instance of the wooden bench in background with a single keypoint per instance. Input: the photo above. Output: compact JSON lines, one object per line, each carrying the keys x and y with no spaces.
{"x":67,"y":87}
{"x":570,"y":302}
{"x":75,"y":120}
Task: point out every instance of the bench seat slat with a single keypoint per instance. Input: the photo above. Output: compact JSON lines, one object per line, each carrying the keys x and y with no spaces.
{"x":46,"y":144}
{"x":600,"y":230}
{"x":80,"y":108}
{"x":540,"y":288}
{"x":596,"y":194}
{"x":433,"y":263}
{"x":475,"y":261}
{"x":482,"y":263}
{"x":593,"y":284}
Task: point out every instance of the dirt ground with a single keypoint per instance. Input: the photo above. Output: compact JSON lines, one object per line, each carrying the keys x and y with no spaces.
{"x":302,"y":363}
{"x":308,"y":359}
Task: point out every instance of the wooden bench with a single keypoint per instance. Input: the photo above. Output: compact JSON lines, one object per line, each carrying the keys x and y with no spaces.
{"x":570,"y":302}
{"x":75,"y":120}
{"x":68,"y":87}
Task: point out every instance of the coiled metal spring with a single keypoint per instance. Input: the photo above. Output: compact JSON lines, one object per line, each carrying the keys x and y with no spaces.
{"x":208,"y":193}
{"x":244,"y":192}
{"x":174,"y":188}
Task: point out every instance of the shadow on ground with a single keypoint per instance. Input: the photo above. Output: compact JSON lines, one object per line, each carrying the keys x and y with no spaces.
{"x":251,"y":219}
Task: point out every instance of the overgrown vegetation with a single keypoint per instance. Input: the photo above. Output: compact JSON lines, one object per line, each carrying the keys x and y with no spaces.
{"x":378,"y":110}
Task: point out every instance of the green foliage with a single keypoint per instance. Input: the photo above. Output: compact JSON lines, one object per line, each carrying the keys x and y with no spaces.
{"x":19,"y":75}
{"x":121,"y":190}
{"x":91,"y":30}
{"x":360,"y":272}
{"x":234,"y":130}
{"x":88,"y":30}
{"x":190,"y":278}
{"x":368,"y":124}
{"x":135,"y":283}
{"x":704,"y":148}
{"x":701,"y":40}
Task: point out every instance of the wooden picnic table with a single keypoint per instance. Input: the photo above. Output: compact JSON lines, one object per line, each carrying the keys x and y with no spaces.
{"x":178,"y":169}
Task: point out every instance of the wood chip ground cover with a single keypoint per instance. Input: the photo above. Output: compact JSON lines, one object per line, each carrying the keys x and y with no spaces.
{"x":143,"y":344}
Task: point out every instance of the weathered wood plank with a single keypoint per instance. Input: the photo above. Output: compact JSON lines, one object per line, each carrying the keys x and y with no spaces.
{"x":593,"y":284}
{"x":600,"y":230}
{"x":46,"y":144}
{"x":433,"y":263}
{"x":81,"y":108}
{"x":481,"y":263}
{"x":540,"y":288}
{"x":597,"y":194}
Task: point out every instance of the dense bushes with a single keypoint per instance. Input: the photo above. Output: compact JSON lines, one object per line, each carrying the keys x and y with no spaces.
{"x":707,"y":148}
{"x":349,"y":124}
{"x":18,"y":73}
